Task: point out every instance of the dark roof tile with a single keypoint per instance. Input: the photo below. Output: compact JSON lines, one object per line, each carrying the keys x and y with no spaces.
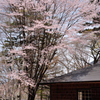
{"x":91,"y":73}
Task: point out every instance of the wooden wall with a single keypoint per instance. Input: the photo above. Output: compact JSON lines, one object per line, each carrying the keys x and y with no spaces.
{"x":69,"y":91}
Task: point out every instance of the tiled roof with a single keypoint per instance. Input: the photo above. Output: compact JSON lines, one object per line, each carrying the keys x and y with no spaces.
{"x":91,"y":73}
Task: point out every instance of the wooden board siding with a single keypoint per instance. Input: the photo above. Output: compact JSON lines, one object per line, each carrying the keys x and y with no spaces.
{"x":68,"y":91}
{"x":96,"y":93}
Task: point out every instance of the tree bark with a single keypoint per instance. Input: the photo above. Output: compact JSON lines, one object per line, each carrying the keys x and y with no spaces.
{"x":31,"y":95}
{"x":32,"y":92}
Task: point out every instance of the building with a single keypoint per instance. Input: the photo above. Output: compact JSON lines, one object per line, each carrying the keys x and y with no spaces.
{"x":83,"y":84}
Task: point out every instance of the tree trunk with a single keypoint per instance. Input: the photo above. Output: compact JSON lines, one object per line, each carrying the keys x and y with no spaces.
{"x":31,"y":95}
{"x":32,"y":92}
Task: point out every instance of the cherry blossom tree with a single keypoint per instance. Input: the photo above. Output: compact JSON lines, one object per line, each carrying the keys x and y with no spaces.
{"x":35,"y":30}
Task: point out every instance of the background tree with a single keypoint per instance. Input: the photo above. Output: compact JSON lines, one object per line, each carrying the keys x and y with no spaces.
{"x":78,"y":57}
{"x":93,"y":27}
